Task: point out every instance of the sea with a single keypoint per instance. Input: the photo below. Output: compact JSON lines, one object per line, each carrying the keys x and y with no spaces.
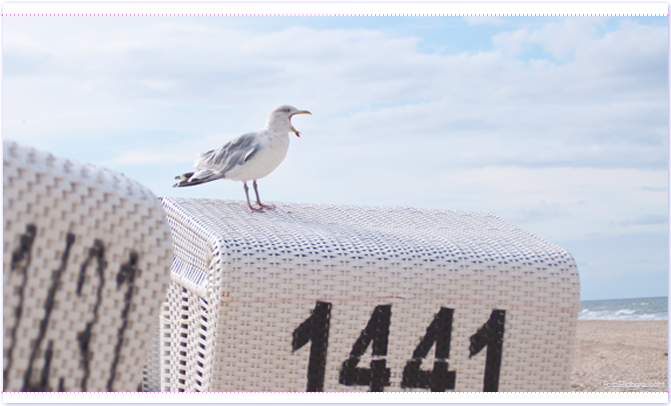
{"x":646,"y":308}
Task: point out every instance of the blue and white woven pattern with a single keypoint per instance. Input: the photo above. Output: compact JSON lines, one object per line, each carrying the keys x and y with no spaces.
{"x":86,"y":259}
{"x":342,"y":298}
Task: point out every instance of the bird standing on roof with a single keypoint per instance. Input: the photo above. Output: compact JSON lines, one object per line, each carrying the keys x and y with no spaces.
{"x":249,"y":156}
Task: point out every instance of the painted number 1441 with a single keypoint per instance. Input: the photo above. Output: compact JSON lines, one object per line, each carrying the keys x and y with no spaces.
{"x":315,"y":329}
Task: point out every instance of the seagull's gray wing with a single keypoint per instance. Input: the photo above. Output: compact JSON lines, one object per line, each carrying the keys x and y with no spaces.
{"x":221,"y":160}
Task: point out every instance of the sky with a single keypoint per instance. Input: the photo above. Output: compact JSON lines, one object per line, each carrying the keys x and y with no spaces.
{"x":558,"y":125}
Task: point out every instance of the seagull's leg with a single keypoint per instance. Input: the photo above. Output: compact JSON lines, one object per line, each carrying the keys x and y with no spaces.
{"x":258,"y":199}
{"x":249,"y":204}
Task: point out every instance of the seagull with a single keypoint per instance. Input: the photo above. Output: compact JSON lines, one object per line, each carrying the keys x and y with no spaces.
{"x":249,"y":156}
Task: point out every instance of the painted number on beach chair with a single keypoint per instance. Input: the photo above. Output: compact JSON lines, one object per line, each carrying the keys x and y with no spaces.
{"x":439,"y":379}
{"x":438,"y":335}
{"x":490,"y":335}
{"x":20,"y":263}
{"x":316,"y":330}
{"x":377,"y":332}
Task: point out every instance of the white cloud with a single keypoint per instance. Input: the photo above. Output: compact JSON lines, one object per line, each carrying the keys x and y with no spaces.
{"x":633,"y":56}
{"x":558,"y":38}
{"x":645,"y":220}
{"x":540,"y":212}
{"x":148,"y":156}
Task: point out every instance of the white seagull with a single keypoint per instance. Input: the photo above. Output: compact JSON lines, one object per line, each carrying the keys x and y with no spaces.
{"x":249,"y":156}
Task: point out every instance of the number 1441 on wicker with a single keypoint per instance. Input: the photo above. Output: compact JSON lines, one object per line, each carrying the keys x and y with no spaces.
{"x":438,"y":334}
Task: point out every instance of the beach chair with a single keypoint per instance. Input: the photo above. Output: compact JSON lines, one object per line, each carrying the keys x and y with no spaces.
{"x":331,"y":298}
{"x":86,"y":261}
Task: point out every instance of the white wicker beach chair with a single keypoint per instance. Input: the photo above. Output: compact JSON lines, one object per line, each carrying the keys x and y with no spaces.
{"x":339,"y":298}
{"x":86,"y":258}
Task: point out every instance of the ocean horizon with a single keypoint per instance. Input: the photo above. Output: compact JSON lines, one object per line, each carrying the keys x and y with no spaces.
{"x":645,"y":308}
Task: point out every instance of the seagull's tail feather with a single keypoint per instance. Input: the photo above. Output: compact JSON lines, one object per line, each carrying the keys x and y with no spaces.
{"x":188,"y":179}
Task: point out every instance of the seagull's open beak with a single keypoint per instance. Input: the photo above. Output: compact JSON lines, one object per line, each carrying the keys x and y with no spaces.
{"x":292,"y":127}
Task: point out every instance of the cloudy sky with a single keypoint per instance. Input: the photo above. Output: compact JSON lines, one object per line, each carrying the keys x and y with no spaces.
{"x":558,"y":125}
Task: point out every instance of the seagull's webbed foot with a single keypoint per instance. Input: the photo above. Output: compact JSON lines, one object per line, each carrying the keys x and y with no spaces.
{"x":266,"y":206}
{"x":254,"y":209}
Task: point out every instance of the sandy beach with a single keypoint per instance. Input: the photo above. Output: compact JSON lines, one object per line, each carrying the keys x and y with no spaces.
{"x":617,"y":352}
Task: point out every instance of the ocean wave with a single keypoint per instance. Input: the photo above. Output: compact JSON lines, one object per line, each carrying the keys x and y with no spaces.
{"x":625,"y":309}
{"x":595,"y":315}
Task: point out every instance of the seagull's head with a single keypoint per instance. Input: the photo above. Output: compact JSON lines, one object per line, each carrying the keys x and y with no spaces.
{"x":280,"y":119}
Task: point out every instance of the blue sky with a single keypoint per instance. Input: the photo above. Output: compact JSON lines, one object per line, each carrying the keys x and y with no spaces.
{"x":558,"y":125}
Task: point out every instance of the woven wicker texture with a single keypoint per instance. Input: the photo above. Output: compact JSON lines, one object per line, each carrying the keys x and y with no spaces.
{"x":86,"y":258}
{"x":341,"y":298}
